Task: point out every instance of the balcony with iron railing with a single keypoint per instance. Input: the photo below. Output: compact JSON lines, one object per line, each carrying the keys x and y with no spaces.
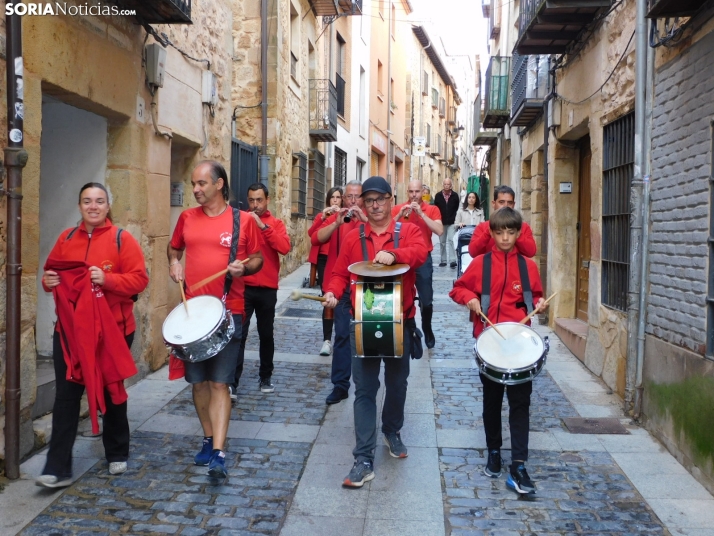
{"x":482,"y":137}
{"x":494,"y":20}
{"x":159,"y":11}
{"x":497,"y":110}
{"x":529,"y":87}
{"x":335,"y":8}
{"x":673,"y":8}
{"x":549,"y":26}
{"x":323,"y":110}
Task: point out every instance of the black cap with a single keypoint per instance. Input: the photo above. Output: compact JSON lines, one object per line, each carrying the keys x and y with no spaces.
{"x":376,"y":184}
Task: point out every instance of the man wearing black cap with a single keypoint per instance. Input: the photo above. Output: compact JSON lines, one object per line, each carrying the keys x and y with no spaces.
{"x":378,"y":239}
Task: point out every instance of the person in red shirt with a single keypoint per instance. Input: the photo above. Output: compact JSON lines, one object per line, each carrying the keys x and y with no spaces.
{"x":506,"y":305}
{"x":205,"y":233}
{"x":481,"y":240}
{"x":261,"y":289}
{"x":428,"y":219}
{"x":318,"y":257}
{"x":114,"y":268}
{"x":335,"y":229}
{"x":379,"y":242}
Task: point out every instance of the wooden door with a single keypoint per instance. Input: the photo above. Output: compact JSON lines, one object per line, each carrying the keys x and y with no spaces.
{"x":583,"y":232}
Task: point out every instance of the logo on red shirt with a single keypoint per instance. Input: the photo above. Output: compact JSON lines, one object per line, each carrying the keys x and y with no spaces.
{"x":107,"y":266}
{"x":516,"y":286}
{"x":226,"y":240}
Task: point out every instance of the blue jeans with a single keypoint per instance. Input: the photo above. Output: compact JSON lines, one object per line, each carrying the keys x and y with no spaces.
{"x":365,"y":372}
{"x":341,"y":352}
{"x":424,"y":285}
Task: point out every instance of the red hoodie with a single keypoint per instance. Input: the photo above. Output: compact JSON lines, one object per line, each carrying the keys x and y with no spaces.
{"x":124,"y":269}
{"x":482,"y":242}
{"x":336,"y":242}
{"x":274,"y":239}
{"x":506,"y":288}
{"x":411,"y":251}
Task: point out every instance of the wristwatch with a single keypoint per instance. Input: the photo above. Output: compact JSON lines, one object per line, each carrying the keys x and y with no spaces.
{"x":266,"y":227}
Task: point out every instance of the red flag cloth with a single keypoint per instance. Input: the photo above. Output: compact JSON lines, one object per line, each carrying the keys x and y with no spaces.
{"x":177,"y":368}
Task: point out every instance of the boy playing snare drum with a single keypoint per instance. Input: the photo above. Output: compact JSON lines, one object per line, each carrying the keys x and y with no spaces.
{"x":503,"y":301}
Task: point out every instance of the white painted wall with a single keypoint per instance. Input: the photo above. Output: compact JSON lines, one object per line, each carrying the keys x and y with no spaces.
{"x":73,"y":152}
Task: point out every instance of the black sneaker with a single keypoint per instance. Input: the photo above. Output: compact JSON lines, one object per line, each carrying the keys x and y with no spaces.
{"x":519,"y":481}
{"x":453,"y":264}
{"x":493,"y":466}
{"x":266,"y":386}
{"x":396,"y":447}
{"x":361,"y":472}
{"x":442,"y":264}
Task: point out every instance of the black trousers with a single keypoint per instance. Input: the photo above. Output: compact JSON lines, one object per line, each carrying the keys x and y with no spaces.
{"x":519,"y":403}
{"x":327,"y":323}
{"x":260,"y":300}
{"x":65,"y":420}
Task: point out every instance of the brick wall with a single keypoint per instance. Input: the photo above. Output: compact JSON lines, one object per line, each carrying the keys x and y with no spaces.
{"x":681,"y":164}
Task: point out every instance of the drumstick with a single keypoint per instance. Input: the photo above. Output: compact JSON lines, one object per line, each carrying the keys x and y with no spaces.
{"x":491,"y":324}
{"x":183,"y":297}
{"x":533,"y":312}
{"x":210,"y":278}
{"x":297,"y":295}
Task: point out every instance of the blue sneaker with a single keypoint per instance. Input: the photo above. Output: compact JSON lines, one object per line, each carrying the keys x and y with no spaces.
{"x":217,"y":465}
{"x":519,"y":481}
{"x":203,"y":457}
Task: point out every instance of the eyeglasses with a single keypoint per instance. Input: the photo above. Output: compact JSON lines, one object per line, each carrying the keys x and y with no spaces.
{"x":381,"y":201}
{"x":352,"y":197}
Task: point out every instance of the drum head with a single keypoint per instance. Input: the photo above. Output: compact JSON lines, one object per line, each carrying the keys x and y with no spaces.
{"x":369,"y":269}
{"x":521,"y":348}
{"x":204,"y":314}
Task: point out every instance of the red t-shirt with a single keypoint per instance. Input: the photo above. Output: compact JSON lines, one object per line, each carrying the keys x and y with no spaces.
{"x":207,"y":241}
{"x":430,"y":210}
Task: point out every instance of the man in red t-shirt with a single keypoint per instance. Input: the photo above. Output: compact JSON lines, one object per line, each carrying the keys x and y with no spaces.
{"x":205,"y":233}
{"x":261,"y":289}
{"x":334,"y":229}
{"x":377,"y":244}
{"x":428,"y":219}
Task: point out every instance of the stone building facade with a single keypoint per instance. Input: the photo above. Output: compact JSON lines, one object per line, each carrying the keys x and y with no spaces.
{"x":88,"y":118}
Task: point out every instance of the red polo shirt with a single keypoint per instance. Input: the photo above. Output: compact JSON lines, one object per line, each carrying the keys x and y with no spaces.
{"x":274,"y":240}
{"x":430,"y":210}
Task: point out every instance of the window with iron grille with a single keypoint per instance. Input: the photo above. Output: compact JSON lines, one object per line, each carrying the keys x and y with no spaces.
{"x":299,"y":186}
{"x":710,"y":292}
{"x":617,"y":172}
{"x":434,"y":98}
{"x":340,"y":167}
{"x":316,"y":182}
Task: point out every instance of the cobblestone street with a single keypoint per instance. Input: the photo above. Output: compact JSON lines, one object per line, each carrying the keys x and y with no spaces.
{"x":288,"y":452}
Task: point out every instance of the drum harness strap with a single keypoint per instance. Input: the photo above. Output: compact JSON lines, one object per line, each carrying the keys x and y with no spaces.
{"x":234,"y":251}
{"x":486,"y":284}
{"x":363,"y":238}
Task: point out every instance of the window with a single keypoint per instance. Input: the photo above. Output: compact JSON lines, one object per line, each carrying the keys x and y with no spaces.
{"x":425,"y":84}
{"x":316,"y":182}
{"x":434,"y":98}
{"x":617,"y":171}
{"x":428,"y":135}
{"x":341,"y":66}
{"x":299,"y":186}
{"x":340,"y":167}
{"x":359,"y":175}
{"x":294,"y":43}
{"x":380,"y":80}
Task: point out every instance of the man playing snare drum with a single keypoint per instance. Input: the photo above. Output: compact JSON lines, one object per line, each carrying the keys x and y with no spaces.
{"x":205,"y":233}
{"x":379,"y":241}
{"x":507,"y":304}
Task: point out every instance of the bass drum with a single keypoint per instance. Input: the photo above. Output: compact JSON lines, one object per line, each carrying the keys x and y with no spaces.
{"x":379,"y":326}
{"x":201,"y":333}
{"x":516,"y":359}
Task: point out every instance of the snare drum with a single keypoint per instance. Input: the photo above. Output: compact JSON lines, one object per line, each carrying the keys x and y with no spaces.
{"x":516,"y":359}
{"x":200,"y":334}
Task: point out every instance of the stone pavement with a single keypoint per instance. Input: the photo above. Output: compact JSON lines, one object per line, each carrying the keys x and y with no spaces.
{"x":288,"y":453}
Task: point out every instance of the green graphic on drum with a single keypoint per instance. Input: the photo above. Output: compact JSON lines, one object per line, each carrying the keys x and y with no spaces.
{"x":378,"y":318}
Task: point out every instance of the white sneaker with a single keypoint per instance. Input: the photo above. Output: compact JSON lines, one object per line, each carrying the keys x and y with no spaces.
{"x":51,"y":481}
{"x":117,"y":468}
{"x":326,"y":348}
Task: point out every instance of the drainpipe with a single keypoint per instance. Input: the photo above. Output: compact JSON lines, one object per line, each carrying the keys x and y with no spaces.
{"x":389,"y":99}
{"x":633,"y":294}
{"x":264,"y":158}
{"x":15,"y":160}
{"x":644,"y":280}
{"x":499,"y":145}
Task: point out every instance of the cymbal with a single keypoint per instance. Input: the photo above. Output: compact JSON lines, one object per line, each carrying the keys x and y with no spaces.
{"x":370,"y":269}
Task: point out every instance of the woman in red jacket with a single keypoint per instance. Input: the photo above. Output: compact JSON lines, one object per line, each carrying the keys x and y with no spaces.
{"x":94,"y":272}
{"x":318,"y":257}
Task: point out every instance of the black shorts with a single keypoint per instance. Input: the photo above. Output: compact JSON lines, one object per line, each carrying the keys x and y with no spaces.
{"x":221,"y":368}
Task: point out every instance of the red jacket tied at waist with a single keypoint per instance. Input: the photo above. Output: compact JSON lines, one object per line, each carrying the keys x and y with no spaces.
{"x":94,"y":347}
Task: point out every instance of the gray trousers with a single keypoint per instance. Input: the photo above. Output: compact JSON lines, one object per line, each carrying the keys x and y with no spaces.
{"x":446,"y":240}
